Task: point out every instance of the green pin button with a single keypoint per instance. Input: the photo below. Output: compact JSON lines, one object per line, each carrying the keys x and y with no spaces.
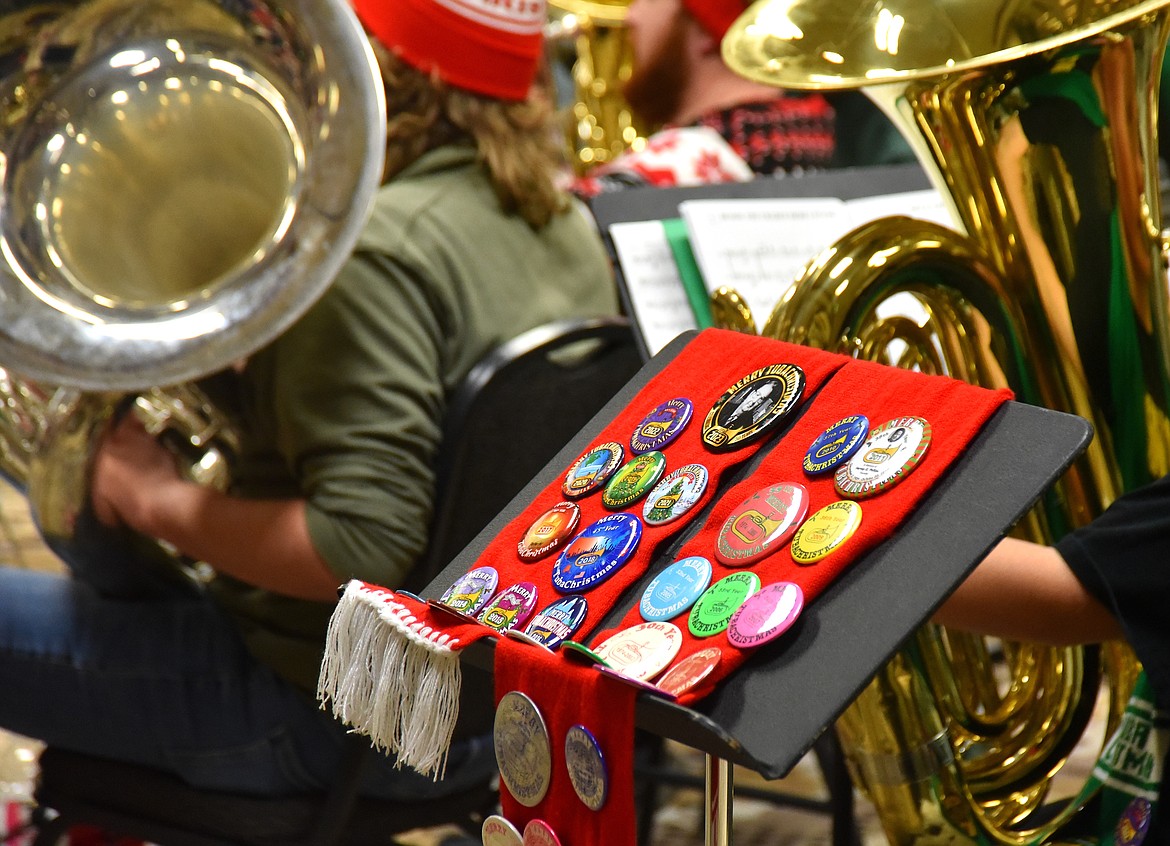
{"x":711,"y":614}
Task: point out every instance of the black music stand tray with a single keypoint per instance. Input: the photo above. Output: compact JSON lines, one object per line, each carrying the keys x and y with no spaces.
{"x":821,"y":665}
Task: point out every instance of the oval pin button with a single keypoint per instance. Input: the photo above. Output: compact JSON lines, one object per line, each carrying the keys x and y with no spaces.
{"x":688,"y":672}
{"x":523,"y":748}
{"x":753,"y":406}
{"x":711,"y":614}
{"x":675,"y":495}
{"x":472,"y":591}
{"x":1134,"y":823}
{"x":889,"y":454}
{"x":586,"y":765}
{"x":510,"y":608}
{"x":675,"y":589}
{"x":765,"y":615}
{"x":662,"y":425}
{"x":826,"y":531}
{"x":549,"y":531}
{"x":836,"y":444}
{"x":631,"y":482}
{"x":597,"y":552}
{"x":497,"y":831}
{"x":592,"y":470}
{"x":761,"y":524}
{"x":642,"y":651}
{"x":558,"y":621}
{"x":540,"y":833}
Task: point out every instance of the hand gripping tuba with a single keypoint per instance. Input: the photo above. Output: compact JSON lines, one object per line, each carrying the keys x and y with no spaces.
{"x":1036,"y":120}
{"x":179,"y":181}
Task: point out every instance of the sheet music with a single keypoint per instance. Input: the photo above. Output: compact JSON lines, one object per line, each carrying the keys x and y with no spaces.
{"x":657,"y":296}
{"x":759,"y":246}
{"x":923,"y":205}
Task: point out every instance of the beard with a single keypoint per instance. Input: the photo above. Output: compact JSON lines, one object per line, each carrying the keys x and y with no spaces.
{"x":656,"y":84}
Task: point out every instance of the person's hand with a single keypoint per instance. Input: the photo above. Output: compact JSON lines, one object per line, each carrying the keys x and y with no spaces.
{"x":130,"y":469}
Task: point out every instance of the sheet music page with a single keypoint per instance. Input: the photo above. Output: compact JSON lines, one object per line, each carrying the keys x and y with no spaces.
{"x":657,"y":296}
{"x":924,"y":205}
{"x":759,"y":246}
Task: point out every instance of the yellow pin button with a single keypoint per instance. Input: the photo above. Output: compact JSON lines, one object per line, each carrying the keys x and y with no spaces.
{"x":825,"y":531}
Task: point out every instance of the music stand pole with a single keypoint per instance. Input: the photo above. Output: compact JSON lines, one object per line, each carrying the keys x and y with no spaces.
{"x":719,"y":791}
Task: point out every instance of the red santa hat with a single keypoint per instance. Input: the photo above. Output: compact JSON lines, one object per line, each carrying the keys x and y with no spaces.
{"x":491,"y":47}
{"x":716,"y":16}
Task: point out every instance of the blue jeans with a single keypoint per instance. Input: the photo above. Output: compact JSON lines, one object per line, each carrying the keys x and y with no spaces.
{"x":116,"y":663}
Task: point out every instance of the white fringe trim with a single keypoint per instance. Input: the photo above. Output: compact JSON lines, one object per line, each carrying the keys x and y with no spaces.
{"x":391,"y":677}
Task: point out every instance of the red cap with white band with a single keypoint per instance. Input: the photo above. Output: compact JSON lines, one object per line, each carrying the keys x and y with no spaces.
{"x":491,"y":47}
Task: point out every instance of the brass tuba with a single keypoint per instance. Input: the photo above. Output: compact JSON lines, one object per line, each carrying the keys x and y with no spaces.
{"x":600,"y":124}
{"x":1036,"y":121}
{"x":179,"y":181}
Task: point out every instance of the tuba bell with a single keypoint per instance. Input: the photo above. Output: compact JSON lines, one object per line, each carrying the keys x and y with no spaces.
{"x":179,"y":181}
{"x":1035,"y":120}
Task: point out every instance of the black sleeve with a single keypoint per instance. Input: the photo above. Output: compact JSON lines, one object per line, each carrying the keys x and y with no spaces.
{"x":1123,"y":559}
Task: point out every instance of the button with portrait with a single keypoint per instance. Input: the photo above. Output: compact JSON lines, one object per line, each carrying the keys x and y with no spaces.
{"x":753,"y":407}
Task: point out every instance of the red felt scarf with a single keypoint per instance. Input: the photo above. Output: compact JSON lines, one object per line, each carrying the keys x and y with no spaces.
{"x":568,"y":693}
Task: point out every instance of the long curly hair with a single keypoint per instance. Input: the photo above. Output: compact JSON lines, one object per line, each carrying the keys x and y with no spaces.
{"x":516,"y":141}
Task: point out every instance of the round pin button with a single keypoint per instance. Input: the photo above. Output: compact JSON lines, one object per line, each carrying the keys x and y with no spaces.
{"x":825,"y":531}
{"x":558,"y":621}
{"x":523,"y":749}
{"x":688,"y":672}
{"x":711,"y":614}
{"x":597,"y":552}
{"x":549,"y":531}
{"x":593,"y":469}
{"x":510,"y":608}
{"x":662,"y":425}
{"x":540,"y":833}
{"x":675,"y":589}
{"x":497,"y":831}
{"x":472,"y":591}
{"x":1134,"y":823}
{"x":753,"y":406}
{"x":641,"y":651}
{"x":581,"y":653}
{"x":889,"y":454}
{"x":836,"y":444}
{"x":765,"y":615}
{"x":633,"y":480}
{"x":586,"y":766}
{"x":675,"y":495}
{"x":761,"y":524}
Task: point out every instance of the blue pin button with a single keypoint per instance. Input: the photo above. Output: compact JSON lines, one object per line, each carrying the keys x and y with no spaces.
{"x":836,"y":445}
{"x":558,"y":621}
{"x":675,"y":589}
{"x":597,"y":552}
{"x":586,"y":765}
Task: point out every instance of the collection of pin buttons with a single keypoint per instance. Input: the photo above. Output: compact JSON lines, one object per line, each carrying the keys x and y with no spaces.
{"x":525,"y":753}
{"x":587,"y":557}
{"x":863,"y":463}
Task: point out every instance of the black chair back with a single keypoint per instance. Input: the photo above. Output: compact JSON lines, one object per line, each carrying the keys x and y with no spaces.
{"x":512,"y":414}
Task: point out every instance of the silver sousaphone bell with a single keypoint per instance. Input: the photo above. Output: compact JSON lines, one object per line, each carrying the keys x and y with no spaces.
{"x":179,"y":181}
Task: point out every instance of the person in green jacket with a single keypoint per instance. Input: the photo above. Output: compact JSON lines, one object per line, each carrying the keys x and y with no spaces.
{"x":470,"y":243}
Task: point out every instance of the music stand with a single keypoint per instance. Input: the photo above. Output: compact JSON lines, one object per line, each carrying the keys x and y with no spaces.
{"x":822,"y":666}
